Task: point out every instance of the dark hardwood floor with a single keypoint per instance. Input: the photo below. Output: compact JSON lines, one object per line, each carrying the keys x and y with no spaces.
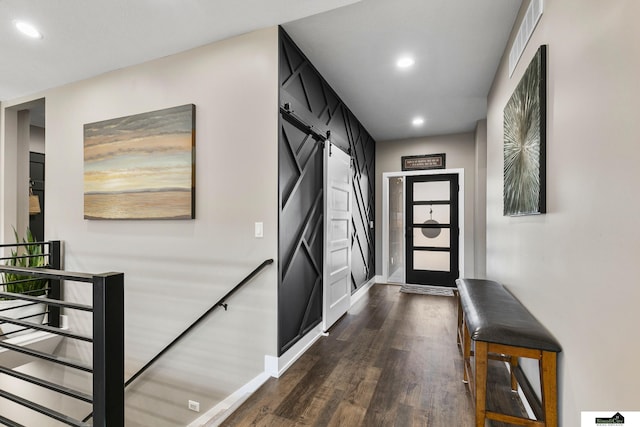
{"x":391,"y":361}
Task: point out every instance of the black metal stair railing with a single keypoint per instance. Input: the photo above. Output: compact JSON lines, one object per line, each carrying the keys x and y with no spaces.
{"x":107,"y":399}
{"x":49,"y":256}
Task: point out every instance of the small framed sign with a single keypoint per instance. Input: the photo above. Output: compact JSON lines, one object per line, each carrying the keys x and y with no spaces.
{"x":422,"y":162}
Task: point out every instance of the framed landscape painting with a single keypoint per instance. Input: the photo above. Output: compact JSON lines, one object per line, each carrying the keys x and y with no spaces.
{"x":525,"y":141}
{"x":141,"y":166}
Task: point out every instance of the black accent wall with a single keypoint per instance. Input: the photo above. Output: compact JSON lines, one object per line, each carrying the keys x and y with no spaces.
{"x":308,"y":109}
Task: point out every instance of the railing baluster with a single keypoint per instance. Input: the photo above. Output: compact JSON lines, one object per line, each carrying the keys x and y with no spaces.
{"x":108,"y":350}
{"x":55,"y":291}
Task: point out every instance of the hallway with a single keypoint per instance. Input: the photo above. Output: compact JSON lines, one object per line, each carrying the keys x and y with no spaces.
{"x":391,"y":361}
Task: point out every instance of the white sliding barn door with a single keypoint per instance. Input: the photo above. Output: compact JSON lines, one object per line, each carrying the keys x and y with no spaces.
{"x":337,"y":236}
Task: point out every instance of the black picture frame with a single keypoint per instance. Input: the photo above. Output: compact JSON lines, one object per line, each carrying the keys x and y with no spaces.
{"x":423,"y":162}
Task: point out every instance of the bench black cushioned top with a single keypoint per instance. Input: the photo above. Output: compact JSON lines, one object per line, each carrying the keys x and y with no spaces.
{"x":494,"y":315}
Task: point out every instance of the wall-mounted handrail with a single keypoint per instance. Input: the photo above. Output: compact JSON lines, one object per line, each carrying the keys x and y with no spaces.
{"x":220,"y":303}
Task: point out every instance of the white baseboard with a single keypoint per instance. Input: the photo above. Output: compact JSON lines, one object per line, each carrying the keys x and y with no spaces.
{"x":362,"y":291}
{"x":273,"y":367}
{"x":276,"y":366}
{"x":216,"y":415}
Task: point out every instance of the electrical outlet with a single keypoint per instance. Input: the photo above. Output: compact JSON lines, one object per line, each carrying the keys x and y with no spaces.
{"x":194,"y":406}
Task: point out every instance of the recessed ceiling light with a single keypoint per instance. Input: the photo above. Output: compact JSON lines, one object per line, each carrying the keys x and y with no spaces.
{"x":28,"y":29}
{"x":418,"y":121}
{"x":405,"y":62}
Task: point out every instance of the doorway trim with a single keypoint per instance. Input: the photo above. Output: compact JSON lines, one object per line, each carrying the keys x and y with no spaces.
{"x":385,"y":213}
{"x":15,"y":122}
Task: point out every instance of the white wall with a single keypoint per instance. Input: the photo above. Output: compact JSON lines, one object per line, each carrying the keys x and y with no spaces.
{"x":175,"y":270}
{"x":575,"y":267}
{"x":480,"y":200}
{"x":14,"y":180}
{"x":460,"y":153}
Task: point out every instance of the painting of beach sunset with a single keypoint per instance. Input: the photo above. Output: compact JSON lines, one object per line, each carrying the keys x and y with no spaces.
{"x":141,"y":166}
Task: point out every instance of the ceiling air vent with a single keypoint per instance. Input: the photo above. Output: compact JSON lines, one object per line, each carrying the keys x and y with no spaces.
{"x":529,"y":22}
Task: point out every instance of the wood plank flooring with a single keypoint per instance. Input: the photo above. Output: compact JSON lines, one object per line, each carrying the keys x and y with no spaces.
{"x":391,"y":361}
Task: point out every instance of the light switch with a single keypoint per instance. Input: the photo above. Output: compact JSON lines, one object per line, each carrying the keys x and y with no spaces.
{"x":259,"y":230}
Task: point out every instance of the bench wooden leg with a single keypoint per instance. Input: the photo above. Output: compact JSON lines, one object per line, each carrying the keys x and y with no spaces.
{"x":466,"y":344}
{"x":549,"y":386}
{"x":460,"y":321}
{"x":481,"y":355}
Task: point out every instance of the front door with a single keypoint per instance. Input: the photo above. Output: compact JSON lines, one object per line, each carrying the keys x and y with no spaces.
{"x":432,"y":230}
{"x":337,"y":252}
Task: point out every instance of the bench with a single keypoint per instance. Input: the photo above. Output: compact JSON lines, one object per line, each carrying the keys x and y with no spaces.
{"x":498,"y":326}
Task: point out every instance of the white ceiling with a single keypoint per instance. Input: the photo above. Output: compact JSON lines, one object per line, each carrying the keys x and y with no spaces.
{"x":457,"y":45}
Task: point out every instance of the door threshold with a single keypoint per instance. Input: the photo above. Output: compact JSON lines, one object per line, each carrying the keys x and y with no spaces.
{"x":427,"y":290}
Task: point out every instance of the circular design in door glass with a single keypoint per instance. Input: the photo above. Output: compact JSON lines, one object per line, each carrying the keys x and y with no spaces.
{"x":431,"y":233}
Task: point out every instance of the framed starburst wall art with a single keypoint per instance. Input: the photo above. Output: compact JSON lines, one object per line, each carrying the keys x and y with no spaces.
{"x":141,"y":166}
{"x":525,"y":141}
